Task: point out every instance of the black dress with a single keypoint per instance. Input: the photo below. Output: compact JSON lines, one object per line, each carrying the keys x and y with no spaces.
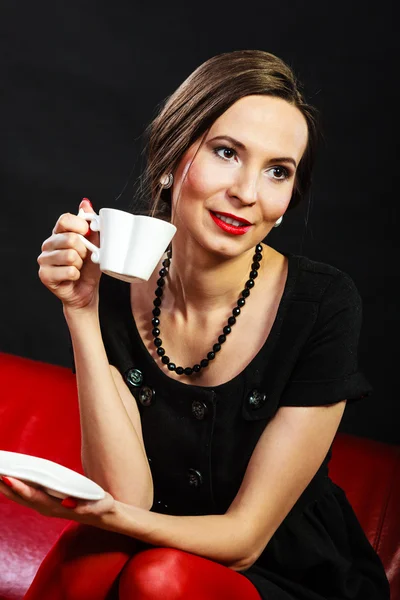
{"x":199,"y":439}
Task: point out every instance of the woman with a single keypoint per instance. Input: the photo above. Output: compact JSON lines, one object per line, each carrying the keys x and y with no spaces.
{"x":240,"y":358}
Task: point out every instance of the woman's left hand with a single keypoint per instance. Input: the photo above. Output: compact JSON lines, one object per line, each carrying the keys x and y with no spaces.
{"x":88,"y":512}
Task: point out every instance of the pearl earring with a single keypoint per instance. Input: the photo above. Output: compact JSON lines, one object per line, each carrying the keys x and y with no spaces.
{"x":166,"y":181}
{"x":278,"y":222}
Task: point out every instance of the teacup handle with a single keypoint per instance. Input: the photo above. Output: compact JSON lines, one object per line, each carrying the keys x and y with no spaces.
{"x":94,"y":221}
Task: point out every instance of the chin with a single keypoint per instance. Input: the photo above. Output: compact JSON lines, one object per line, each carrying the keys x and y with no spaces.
{"x":228,"y":248}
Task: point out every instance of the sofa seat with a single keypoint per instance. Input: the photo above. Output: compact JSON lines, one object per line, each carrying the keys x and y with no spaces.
{"x":39,"y":416}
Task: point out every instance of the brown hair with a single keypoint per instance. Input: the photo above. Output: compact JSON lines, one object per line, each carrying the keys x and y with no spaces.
{"x":207,"y":93}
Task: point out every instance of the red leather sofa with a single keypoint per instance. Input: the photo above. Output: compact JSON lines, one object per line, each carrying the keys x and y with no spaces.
{"x":39,"y":416}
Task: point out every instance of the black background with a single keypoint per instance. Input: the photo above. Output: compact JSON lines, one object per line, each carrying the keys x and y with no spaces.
{"x":80,"y":82}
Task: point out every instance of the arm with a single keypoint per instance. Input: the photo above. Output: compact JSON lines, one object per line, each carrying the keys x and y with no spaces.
{"x":288,"y":454}
{"x":112,"y":447}
{"x":113,"y":453}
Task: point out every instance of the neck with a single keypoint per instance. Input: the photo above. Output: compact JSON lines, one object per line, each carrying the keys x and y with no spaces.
{"x":203,"y":282}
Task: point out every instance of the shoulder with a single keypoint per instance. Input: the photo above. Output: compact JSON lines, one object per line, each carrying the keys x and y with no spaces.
{"x":323,"y":283}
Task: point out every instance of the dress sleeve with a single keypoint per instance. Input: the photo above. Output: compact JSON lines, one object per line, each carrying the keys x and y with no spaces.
{"x":327,"y":368}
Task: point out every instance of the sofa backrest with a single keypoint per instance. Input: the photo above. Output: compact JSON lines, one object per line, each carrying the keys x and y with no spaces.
{"x":38,"y":416}
{"x":369,"y":473}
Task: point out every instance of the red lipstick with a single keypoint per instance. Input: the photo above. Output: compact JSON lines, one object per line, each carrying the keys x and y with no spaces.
{"x":228,"y":227}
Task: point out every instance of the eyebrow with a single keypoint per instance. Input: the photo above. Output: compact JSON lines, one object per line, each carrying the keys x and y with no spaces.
{"x":238,"y":144}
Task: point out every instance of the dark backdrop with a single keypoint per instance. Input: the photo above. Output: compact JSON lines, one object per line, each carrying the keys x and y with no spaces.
{"x":81,"y":80}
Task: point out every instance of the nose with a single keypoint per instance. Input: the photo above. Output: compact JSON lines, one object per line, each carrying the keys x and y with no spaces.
{"x":244,"y":186}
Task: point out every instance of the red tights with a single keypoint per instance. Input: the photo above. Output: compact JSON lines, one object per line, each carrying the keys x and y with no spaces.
{"x":87,"y":563}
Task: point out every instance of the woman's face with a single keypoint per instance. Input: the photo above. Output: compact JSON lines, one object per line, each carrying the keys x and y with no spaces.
{"x":244,"y":170}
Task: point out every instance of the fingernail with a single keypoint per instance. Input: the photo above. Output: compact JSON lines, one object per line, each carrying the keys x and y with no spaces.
{"x":87,"y":200}
{"x":69,"y":503}
{"x":7,"y":481}
{"x":89,"y":231}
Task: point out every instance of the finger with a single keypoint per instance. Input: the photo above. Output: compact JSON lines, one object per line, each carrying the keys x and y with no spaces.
{"x":55,"y":276}
{"x":59,"y":258}
{"x":31,"y":497}
{"x":70,"y":222}
{"x":64,"y":241}
{"x":9,"y":493}
{"x":86,"y":205}
{"x":20,"y":492}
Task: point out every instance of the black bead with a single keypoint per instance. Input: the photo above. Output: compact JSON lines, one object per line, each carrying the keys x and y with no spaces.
{"x":226,"y":330}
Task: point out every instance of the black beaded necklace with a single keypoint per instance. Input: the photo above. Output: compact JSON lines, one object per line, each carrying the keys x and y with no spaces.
{"x":225,"y":331}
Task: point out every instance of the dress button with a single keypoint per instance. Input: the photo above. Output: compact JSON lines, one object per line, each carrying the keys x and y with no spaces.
{"x":195,"y":478}
{"x":134,"y":377}
{"x":256,"y":399}
{"x":199,"y":409}
{"x":146,"y":395}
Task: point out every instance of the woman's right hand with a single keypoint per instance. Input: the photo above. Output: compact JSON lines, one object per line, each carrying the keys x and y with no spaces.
{"x":65,"y":265}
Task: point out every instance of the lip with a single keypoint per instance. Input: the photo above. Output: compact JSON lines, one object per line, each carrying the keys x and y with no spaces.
{"x":227,"y":227}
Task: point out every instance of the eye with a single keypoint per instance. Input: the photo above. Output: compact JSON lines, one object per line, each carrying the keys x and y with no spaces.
{"x":279,"y":173}
{"x":225,"y":152}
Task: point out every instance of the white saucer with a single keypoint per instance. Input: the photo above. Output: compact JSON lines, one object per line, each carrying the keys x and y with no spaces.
{"x":55,"y":479}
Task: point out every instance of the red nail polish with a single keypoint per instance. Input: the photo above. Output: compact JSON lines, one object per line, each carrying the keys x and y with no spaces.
{"x":87,"y":200}
{"x":7,"y":481}
{"x":69,"y":503}
{"x":89,"y":231}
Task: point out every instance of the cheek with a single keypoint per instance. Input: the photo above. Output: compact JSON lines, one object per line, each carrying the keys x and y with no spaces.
{"x":276,"y":201}
{"x":202,"y":180}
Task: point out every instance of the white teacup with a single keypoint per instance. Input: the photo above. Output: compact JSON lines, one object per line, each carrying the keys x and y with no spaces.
{"x":131,"y":246}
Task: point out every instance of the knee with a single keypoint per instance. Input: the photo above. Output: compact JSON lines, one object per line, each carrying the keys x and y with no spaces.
{"x":157,"y":573}
{"x":88,"y":561}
